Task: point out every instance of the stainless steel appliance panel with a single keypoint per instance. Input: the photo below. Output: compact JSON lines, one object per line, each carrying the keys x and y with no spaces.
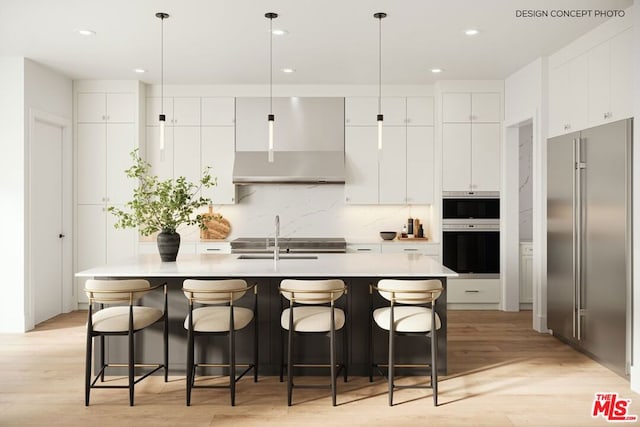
{"x":561,"y":289}
{"x":605,"y":181}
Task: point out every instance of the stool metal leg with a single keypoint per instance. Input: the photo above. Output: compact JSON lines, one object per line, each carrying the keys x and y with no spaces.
{"x":232,"y":357}
{"x":131,"y":364}
{"x":391,"y":368}
{"x":434,"y":356}
{"x":290,"y":357}
{"x":165,"y":337}
{"x":87,"y":373}
{"x":332,"y":350}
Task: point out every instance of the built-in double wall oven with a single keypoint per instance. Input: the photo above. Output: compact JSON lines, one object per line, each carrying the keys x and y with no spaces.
{"x":471,"y":233}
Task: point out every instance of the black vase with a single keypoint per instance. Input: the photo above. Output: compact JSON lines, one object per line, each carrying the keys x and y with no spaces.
{"x":168,"y":246}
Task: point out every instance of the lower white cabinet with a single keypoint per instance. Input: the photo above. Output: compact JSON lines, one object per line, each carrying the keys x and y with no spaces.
{"x":485,"y":293}
{"x":365,"y":248}
{"x":431,"y":249}
{"x":99,"y":242}
{"x":526,"y":272}
{"x":213,"y":248}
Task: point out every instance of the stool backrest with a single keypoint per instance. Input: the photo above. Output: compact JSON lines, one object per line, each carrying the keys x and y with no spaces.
{"x":214,"y":291}
{"x":312,"y":291}
{"x":116,"y":291}
{"x":415,"y":291}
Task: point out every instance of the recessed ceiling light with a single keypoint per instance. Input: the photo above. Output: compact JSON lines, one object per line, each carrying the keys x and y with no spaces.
{"x":288,"y":70}
{"x":85,"y":32}
{"x":278,"y":32}
{"x":139,"y":70}
{"x":436,"y":70}
{"x":471,"y":32}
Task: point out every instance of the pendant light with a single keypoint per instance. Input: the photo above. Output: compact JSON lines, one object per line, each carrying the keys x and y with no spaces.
{"x":270,"y":118}
{"x":380,"y":117}
{"x":162,"y":117}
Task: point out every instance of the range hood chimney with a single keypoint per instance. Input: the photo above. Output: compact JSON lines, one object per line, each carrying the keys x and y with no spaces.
{"x":308,"y":141}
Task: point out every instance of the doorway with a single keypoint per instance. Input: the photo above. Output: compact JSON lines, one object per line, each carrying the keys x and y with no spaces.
{"x":49,"y":283}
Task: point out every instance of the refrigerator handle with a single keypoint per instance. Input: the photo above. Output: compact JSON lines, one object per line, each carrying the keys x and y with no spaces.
{"x":579,"y":165}
{"x":573,"y":229}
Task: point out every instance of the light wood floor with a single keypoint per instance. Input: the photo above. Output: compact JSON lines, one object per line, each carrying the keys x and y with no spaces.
{"x":501,"y":374}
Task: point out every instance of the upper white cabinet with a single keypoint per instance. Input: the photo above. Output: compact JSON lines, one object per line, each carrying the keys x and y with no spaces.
{"x":178,"y":111}
{"x":402,"y":172}
{"x":610,"y":79}
{"x":220,"y":111}
{"x":99,"y":107}
{"x":471,"y":107}
{"x":201,"y":134}
{"x":471,"y":141}
{"x":592,"y":88}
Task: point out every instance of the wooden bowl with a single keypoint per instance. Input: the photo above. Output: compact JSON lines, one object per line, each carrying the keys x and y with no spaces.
{"x":388,"y":235}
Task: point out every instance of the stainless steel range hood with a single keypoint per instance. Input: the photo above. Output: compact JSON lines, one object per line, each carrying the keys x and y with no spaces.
{"x":308,"y":141}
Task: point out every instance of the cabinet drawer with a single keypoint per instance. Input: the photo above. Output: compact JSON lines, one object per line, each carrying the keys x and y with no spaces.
{"x":363,"y":248}
{"x":214,"y":248}
{"x":415,"y":248}
{"x":473,"y":291}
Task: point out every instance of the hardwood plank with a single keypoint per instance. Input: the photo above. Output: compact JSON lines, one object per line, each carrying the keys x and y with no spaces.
{"x":501,"y":374}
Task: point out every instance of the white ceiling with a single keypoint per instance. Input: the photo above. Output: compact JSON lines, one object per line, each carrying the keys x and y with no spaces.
{"x":329,"y":41}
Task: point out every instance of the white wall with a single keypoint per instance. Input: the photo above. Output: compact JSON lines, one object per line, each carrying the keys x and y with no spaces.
{"x":24,"y":85}
{"x":12,"y":194}
{"x":525,"y":173}
{"x":635,"y":362}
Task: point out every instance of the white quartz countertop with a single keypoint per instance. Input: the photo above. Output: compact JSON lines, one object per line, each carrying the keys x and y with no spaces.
{"x":228,"y":265}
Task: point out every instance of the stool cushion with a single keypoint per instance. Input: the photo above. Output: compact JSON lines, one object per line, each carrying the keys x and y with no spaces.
{"x":216,"y":319}
{"x":116,"y":319}
{"x":406,"y":318}
{"x":312,"y":319}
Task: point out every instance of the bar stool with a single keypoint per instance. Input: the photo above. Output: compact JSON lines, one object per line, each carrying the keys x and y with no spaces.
{"x":121,"y":320}
{"x":216,"y":318}
{"x":312,"y":310}
{"x":411,"y":312}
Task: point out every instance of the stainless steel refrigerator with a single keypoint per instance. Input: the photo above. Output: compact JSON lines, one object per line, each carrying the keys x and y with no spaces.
{"x":589,"y":241}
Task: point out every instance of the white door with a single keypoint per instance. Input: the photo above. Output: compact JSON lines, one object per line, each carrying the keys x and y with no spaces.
{"x":46,"y":222}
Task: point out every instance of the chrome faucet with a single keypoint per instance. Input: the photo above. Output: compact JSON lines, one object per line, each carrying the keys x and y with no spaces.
{"x":276,"y":248}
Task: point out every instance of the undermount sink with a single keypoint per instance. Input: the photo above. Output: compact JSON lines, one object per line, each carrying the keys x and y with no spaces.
{"x":281,"y":257}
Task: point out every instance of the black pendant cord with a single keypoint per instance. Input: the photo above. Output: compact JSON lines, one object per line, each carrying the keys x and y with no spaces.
{"x":270,"y":65}
{"x":380,"y":65}
{"x":162,"y":65}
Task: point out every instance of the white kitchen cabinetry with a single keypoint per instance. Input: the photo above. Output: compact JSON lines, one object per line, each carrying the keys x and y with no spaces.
{"x":471,"y":141}
{"x":213,"y":248}
{"x":402,"y":172}
{"x":482,"y":293}
{"x":526,"y":273}
{"x":201,"y":134}
{"x":177,"y":111}
{"x":366,"y":248}
{"x":106,"y":132}
{"x":471,"y":107}
{"x":431,"y":249}
{"x":610,"y":80}
{"x":361,"y":164}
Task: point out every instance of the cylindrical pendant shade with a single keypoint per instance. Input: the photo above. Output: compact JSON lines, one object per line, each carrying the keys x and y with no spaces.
{"x":161,"y":135}
{"x":270,"y":122}
{"x":379,"y":131}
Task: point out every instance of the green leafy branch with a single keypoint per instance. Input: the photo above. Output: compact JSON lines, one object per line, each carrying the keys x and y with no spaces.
{"x":162,"y":205}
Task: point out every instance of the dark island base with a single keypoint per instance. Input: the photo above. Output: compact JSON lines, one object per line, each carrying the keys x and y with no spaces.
{"x":309,"y":348}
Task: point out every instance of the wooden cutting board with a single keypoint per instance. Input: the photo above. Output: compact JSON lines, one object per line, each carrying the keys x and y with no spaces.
{"x":217,"y":227}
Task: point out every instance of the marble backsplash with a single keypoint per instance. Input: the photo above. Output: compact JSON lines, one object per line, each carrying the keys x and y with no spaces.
{"x":310,"y":211}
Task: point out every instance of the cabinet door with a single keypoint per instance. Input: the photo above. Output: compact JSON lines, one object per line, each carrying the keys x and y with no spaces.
{"x":360,"y":111}
{"x":598,"y":60}
{"x":218,"y":153}
{"x":392,"y":166}
{"x":161,"y":163}
{"x":420,"y":165}
{"x":394,"y":110}
{"x":153,"y":111}
{"x":456,"y":157}
{"x":485,"y":157}
{"x":559,"y":97}
{"x":90,"y":240}
{"x":186,"y":111}
{"x":218,"y":111}
{"x":578,"y":88}
{"x":120,"y":144}
{"x":485,"y":108}
{"x":456,"y":107}
{"x":91,"y":152}
{"x":186,"y":153}
{"x":91,"y":108}
{"x":121,"y":108}
{"x":420,"y":111}
{"x":361,"y":164}
{"x":622,"y":75}
{"x":120,"y":243}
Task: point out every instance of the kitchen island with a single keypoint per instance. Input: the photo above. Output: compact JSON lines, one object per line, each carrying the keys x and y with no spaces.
{"x":357,"y":270}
